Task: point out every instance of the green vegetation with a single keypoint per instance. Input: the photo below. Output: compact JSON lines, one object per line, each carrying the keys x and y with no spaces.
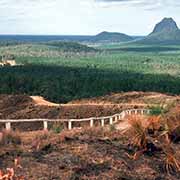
{"x":70,"y":46}
{"x":62,"y":76}
{"x":111,"y":37}
{"x":57,"y":127}
{"x":156,"y":110}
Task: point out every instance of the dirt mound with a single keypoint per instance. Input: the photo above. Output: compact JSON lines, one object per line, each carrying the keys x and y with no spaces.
{"x":38,"y":100}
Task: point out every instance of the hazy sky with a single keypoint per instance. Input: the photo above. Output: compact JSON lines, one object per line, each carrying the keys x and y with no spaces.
{"x":134,"y":17}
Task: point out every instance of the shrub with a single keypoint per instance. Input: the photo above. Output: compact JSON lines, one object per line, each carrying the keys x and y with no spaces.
{"x":173,"y":123}
{"x":10,"y":137}
{"x":172,"y":164}
{"x":156,"y":110}
{"x":57,"y":127}
{"x":139,"y":132}
{"x":112,"y":127}
{"x":154,"y":124}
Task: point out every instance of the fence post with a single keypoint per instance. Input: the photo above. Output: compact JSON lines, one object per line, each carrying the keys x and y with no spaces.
{"x":8,"y":126}
{"x":116,"y":118}
{"x":70,"y":125}
{"x":45,"y":123}
{"x":91,"y":123}
{"x":123,"y":114}
{"x":111,"y":121}
{"x":102,"y":122}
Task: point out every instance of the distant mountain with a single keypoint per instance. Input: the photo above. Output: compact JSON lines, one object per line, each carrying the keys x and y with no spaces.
{"x":165,"y":32}
{"x":111,"y":37}
{"x":166,"y":25}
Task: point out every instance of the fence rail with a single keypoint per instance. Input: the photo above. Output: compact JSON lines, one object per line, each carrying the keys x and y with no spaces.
{"x":112,"y":119}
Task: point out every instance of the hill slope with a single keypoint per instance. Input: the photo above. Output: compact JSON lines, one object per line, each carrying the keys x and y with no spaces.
{"x":165,"y":32}
{"x":111,"y":37}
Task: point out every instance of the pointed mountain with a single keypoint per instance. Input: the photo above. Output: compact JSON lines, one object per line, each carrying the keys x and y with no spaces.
{"x":111,"y":37}
{"x":165,"y":32}
{"x":167,"y":24}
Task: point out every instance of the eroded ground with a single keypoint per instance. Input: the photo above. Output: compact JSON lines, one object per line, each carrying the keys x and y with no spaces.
{"x":83,"y":154}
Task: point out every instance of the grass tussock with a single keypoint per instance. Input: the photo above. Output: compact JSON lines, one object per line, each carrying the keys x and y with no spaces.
{"x":138,"y":129}
{"x":10,"y":137}
{"x":57,"y":127}
{"x":172,"y":163}
{"x":154,"y":133}
{"x":173,"y":124}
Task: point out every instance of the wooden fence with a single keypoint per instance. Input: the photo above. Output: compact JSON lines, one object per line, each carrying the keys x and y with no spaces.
{"x":112,"y":119}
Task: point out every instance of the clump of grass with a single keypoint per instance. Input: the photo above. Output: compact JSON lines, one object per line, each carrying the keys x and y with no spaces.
{"x":112,"y":127}
{"x":139,"y":132}
{"x":45,"y":135}
{"x":94,"y":132}
{"x":10,"y":137}
{"x":157,"y":110}
{"x":173,"y":124}
{"x":172,"y":164}
{"x":57,"y":128}
{"x":154,"y":124}
{"x":40,"y":139}
{"x":151,"y":135}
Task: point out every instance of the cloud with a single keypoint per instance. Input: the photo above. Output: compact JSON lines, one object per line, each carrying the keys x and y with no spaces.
{"x":84,"y":16}
{"x":145,"y":4}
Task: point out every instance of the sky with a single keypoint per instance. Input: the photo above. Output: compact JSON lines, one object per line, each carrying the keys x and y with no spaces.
{"x":84,"y":17}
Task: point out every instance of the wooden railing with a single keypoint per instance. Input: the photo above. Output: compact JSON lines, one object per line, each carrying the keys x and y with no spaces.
{"x":112,"y":119}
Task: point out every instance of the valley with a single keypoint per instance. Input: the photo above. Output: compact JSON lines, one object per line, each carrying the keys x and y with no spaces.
{"x":56,"y":81}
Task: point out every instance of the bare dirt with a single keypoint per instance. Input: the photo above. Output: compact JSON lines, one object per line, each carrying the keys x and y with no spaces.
{"x":23,"y":106}
{"x":130,"y":98}
{"x":97,"y":153}
{"x":40,"y":101}
{"x":82,"y":154}
{"x":32,"y":107}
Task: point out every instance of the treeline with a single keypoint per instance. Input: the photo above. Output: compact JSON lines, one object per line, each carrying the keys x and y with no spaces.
{"x":62,"y":84}
{"x":10,"y":43}
{"x":70,"y":46}
{"x":66,"y":46}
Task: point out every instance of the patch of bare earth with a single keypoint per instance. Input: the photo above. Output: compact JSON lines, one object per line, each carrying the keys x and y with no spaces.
{"x":30,"y":107}
{"x":88,"y":153}
{"x":40,"y":101}
{"x":82,"y":154}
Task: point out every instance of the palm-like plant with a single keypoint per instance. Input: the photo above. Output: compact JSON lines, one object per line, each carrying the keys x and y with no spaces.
{"x":139,"y":132}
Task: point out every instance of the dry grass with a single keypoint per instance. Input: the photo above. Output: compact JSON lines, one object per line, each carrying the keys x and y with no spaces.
{"x":156,"y":131}
{"x":172,"y":164}
{"x":139,"y":132}
{"x":10,"y":137}
{"x":154,"y":123}
{"x":173,"y":123}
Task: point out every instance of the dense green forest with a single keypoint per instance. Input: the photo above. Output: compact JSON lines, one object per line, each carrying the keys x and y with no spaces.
{"x":60,"y":76}
{"x":62,"y":84}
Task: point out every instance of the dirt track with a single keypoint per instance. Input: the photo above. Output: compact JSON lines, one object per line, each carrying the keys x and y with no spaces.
{"x":90,"y":154}
{"x":27,"y":107}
